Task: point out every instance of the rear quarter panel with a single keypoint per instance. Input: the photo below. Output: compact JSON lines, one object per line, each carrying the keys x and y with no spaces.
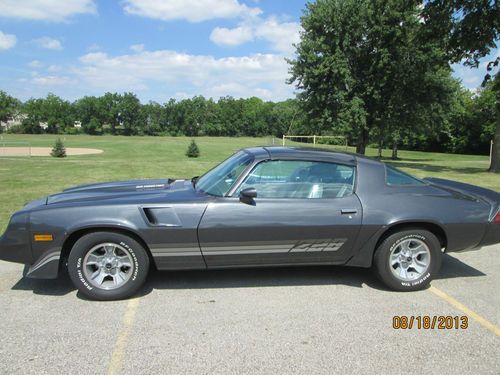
{"x":463,"y":220}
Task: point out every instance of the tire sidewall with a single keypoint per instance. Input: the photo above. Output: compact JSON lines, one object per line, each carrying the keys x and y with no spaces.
{"x":86,"y":243}
{"x":390,"y":243}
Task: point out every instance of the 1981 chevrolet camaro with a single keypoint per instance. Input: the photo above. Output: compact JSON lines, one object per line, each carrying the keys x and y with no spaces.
{"x":264,"y":206}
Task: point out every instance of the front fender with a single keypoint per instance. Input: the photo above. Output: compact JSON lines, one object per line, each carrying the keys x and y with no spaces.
{"x":62,"y":222}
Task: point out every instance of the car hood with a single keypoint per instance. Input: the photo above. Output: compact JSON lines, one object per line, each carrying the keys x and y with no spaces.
{"x":133,"y":190}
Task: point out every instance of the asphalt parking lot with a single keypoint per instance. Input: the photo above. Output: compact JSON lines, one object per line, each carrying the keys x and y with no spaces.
{"x":289,"y":320}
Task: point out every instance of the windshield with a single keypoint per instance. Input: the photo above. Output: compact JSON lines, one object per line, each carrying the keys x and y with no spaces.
{"x":219,"y":180}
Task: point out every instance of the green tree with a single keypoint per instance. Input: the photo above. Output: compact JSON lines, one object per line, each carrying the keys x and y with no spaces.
{"x":467,"y":29}
{"x":32,"y":110}
{"x":9,"y":107}
{"x":193,"y":151}
{"x":230,"y":116}
{"x":152,"y":114}
{"x":57,"y":113}
{"x":286,"y":118}
{"x":484,"y":119}
{"x":89,"y":112}
{"x":254,"y":113}
{"x":92,"y":127}
{"x":495,"y":156}
{"x":363,"y":68}
{"x":58,"y":151}
{"x":129,"y":113}
{"x":109,"y":108}
{"x":171,"y":121}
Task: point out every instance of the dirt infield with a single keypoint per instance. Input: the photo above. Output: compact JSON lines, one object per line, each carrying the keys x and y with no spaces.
{"x":45,"y":151}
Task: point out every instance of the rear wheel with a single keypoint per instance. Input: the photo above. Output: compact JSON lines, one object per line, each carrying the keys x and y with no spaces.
{"x":408,"y":260}
{"x":108,"y":265}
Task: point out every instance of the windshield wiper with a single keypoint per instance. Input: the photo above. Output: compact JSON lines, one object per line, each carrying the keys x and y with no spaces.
{"x":194,"y":180}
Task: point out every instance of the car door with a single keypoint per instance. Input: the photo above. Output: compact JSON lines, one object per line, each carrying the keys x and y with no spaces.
{"x":305,"y":212}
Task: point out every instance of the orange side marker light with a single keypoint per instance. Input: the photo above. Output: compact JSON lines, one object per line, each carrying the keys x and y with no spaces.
{"x":43,"y":237}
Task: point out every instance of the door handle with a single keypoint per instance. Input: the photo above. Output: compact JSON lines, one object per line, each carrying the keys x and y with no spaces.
{"x":347,"y":211}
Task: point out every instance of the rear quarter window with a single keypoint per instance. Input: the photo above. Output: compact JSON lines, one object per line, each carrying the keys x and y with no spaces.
{"x":395,"y":177}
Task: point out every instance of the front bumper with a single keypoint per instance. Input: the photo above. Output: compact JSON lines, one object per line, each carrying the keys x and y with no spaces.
{"x":15,"y":244}
{"x":15,"y":250}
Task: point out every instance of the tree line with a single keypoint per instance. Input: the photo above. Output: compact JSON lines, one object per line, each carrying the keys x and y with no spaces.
{"x":124,"y":114}
{"x":467,"y":126}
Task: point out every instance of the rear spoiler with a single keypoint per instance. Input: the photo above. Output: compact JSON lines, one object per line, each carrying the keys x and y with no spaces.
{"x":489,"y":196}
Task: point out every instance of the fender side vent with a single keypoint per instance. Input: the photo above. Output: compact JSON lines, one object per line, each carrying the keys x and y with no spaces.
{"x":162,"y":216}
{"x":150,"y":216}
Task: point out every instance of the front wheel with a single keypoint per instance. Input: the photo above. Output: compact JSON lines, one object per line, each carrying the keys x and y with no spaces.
{"x":108,"y":265}
{"x":408,"y":260}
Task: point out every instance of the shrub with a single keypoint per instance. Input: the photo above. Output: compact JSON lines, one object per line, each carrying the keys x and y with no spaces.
{"x":15,"y":129}
{"x":193,"y":151}
{"x":58,"y":151}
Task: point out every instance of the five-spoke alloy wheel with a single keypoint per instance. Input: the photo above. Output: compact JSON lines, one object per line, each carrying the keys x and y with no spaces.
{"x":408,"y":260}
{"x":108,"y":265}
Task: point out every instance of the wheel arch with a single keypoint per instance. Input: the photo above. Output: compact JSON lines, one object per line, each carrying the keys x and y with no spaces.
{"x":432,"y":227}
{"x":78,"y":233}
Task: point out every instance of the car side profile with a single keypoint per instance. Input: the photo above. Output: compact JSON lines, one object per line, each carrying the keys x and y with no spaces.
{"x":263,"y":206}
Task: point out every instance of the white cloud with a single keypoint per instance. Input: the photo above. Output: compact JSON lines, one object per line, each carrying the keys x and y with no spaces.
{"x":262,"y":75}
{"x":232,"y":37}
{"x":137,"y":47}
{"x":281,"y":35}
{"x":193,"y":10}
{"x":7,"y":41}
{"x":54,"y":68}
{"x":48,"y":43}
{"x":46,"y":10}
{"x":35,"y":64}
{"x":50,"y":80}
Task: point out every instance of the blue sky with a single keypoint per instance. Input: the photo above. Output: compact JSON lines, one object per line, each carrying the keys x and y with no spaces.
{"x":158,"y":49}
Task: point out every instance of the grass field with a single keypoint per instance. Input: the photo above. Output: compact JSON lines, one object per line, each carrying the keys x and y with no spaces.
{"x":25,"y":179}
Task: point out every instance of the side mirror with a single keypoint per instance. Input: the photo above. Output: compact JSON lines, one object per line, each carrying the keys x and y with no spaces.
{"x":248,"y":193}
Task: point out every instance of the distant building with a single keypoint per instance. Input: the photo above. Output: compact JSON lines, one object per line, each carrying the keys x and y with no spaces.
{"x":77,"y":124}
{"x":14,"y":121}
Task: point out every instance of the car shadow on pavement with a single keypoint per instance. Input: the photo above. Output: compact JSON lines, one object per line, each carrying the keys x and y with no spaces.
{"x":289,"y":276}
{"x":54,"y":287}
{"x":452,"y":267}
{"x":261,"y":277}
{"x":250,"y":278}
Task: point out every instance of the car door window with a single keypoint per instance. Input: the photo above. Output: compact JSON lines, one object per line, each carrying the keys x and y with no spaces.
{"x":300,"y":179}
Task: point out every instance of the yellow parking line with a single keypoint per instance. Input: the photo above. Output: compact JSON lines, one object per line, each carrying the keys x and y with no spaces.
{"x":116,"y":362}
{"x":471,"y":314}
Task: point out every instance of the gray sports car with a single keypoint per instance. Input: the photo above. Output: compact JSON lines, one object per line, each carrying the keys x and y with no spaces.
{"x":264,"y":206}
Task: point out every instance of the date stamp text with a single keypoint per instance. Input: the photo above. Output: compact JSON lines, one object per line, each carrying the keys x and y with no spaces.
{"x":430,"y":322}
